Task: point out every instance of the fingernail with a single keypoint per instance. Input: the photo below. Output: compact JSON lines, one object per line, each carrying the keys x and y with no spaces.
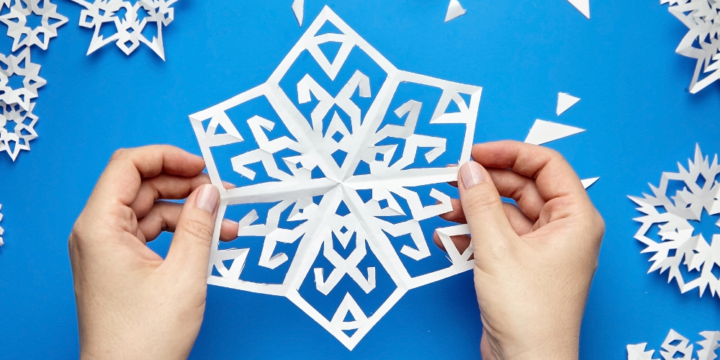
{"x":207,"y":199}
{"x":471,"y":174}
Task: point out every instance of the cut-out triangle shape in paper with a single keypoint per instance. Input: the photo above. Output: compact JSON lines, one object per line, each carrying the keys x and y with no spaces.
{"x":546,"y":131}
{"x":565,"y":101}
{"x":454,"y":10}
{"x":583,"y":6}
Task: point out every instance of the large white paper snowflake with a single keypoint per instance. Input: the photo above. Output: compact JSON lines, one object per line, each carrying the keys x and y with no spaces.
{"x":342,"y":218}
{"x":677,"y":346}
{"x":674,"y":215}
{"x":22,"y":34}
{"x":701,"y":41}
{"x":129,"y":21}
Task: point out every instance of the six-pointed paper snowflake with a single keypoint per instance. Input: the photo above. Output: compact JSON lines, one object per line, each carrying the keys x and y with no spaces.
{"x":23,"y":35}
{"x":17,"y":122}
{"x":677,"y":346}
{"x":701,"y":41}
{"x":674,"y":214}
{"x":129,"y":21}
{"x":327,"y":216}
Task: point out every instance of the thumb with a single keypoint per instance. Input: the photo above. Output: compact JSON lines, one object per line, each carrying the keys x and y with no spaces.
{"x":190,"y":249}
{"x":483,"y":208}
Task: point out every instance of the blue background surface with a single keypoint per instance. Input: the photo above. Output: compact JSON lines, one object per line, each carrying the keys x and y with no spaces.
{"x":639,"y":116}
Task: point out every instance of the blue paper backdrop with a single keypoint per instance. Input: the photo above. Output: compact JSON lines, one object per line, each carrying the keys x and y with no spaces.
{"x":639,"y":116}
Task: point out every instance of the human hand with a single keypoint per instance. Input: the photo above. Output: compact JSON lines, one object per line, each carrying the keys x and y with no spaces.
{"x":131,"y":303}
{"x":534,"y":262}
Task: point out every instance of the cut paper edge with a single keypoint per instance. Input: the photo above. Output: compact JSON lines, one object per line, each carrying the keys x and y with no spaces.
{"x":298,"y":7}
{"x":589,"y":182}
{"x":583,"y":6}
{"x":454,"y":10}
{"x":565,"y":102}
{"x":544,"y":131}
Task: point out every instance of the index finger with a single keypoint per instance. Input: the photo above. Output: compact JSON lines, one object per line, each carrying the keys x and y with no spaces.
{"x":553,"y":175}
{"x":124,"y":173}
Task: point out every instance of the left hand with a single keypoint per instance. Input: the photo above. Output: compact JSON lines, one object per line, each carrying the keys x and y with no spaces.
{"x":131,"y":303}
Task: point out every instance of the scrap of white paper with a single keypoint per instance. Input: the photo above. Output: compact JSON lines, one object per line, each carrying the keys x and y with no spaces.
{"x":129,"y":29}
{"x":702,"y":17}
{"x":23,"y":35}
{"x":2,"y":231}
{"x":677,"y":346}
{"x":637,"y":352}
{"x":454,"y":10}
{"x":546,"y":131}
{"x":675,"y":214}
{"x":366,"y":227}
{"x":589,"y":182}
{"x":298,"y":7}
{"x":583,"y":6}
{"x":565,"y":101}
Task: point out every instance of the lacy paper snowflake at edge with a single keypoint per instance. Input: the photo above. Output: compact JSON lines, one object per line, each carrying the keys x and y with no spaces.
{"x":22,"y":35}
{"x":678,"y":246}
{"x":129,"y":30}
{"x":675,"y":345}
{"x":296,"y":190}
{"x":701,"y":17}
{"x":16,"y":105}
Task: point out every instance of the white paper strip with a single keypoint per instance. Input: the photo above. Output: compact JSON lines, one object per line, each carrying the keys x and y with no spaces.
{"x":2,"y":231}
{"x":546,"y":131}
{"x":589,"y":182}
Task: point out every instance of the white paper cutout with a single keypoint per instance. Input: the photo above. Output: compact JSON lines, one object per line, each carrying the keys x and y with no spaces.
{"x":701,"y":17}
{"x":583,"y":6}
{"x":637,"y":352}
{"x":2,"y":231}
{"x":454,"y":10}
{"x":16,"y":21}
{"x":589,"y":182}
{"x":298,"y":7}
{"x":673,"y":213}
{"x":565,"y":101}
{"x":129,"y":29}
{"x":677,"y":346}
{"x":20,"y":65}
{"x":362,"y":229}
{"x":23,"y":123}
{"x":544,"y":132}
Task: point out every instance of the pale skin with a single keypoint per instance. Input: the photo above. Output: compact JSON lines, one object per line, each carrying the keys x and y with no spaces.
{"x":534,"y":263}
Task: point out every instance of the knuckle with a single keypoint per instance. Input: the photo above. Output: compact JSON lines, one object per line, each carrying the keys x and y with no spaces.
{"x":198,"y":230}
{"x":480,"y":200}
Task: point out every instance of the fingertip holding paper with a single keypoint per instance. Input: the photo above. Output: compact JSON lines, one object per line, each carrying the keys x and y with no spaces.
{"x":345,"y":180}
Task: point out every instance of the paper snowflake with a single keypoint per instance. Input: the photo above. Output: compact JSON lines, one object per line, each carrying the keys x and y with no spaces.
{"x":22,"y":66}
{"x":701,"y":41}
{"x":23,"y":35}
{"x":674,"y":215}
{"x":17,"y":129}
{"x":677,"y":346}
{"x":132,"y":22}
{"x":333,"y":187}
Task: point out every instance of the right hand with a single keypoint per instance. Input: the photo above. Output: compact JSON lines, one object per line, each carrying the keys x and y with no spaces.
{"x":534,"y":262}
